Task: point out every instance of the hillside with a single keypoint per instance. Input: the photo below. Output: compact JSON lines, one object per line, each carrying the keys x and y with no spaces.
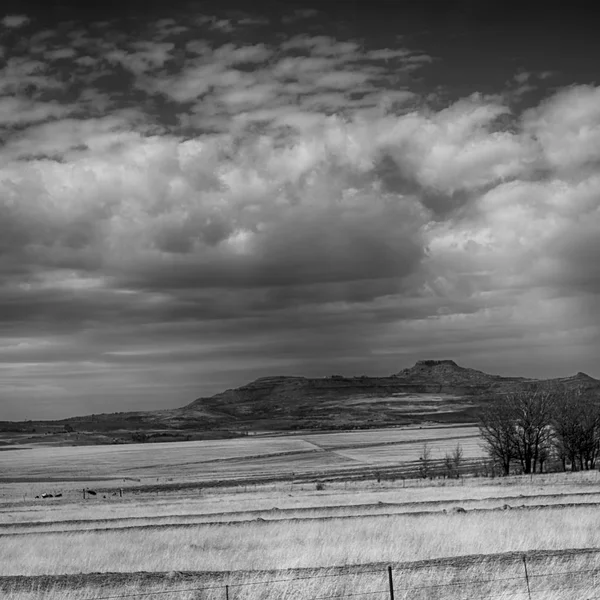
{"x":430,"y":391}
{"x":438,"y":390}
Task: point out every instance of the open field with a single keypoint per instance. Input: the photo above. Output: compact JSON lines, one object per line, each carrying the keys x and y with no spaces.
{"x":314,"y":544}
{"x":293,"y":544}
{"x":450,"y":539}
{"x":389,"y":436}
{"x":249,"y":458}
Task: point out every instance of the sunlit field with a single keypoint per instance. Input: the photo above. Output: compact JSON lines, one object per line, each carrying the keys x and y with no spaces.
{"x":30,"y":471}
{"x":443,"y":538}
{"x":291,"y":543}
{"x":312,"y":543}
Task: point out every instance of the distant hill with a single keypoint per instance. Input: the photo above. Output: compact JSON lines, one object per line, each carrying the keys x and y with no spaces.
{"x":429,"y":391}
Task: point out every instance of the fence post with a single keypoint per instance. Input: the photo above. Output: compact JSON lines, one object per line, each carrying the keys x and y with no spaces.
{"x":226,"y":592}
{"x":84,"y":493}
{"x":391,"y":580}
{"x":527,"y":577}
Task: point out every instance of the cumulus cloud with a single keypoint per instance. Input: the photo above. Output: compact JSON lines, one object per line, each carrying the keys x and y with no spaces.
{"x":281,"y":206}
{"x":18,"y":112}
{"x":15,"y":21}
{"x":567,"y":126}
{"x":27,"y":76}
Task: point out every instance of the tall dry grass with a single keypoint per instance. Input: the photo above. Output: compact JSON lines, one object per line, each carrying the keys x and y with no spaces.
{"x":548,"y":488}
{"x":202,"y":515}
{"x":242,"y":552}
{"x":556,"y":577}
{"x":292,"y":544}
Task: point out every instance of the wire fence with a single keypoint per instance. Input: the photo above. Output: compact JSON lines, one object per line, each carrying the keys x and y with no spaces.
{"x":388,"y":583}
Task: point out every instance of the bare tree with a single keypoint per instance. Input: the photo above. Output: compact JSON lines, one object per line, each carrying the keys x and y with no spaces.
{"x":453,"y":461}
{"x":457,"y":458}
{"x":496,"y":428}
{"x":566,"y":424}
{"x":518,"y":427}
{"x":425,"y":460}
{"x":576,"y":422}
{"x":449,"y":465}
{"x":531,"y":412}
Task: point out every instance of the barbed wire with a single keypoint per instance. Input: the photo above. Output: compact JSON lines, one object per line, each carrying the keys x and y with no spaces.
{"x":526,"y":592}
{"x":458,"y":583}
{"x":350,"y":595}
{"x":499,"y":595}
{"x":245,"y":583}
{"x":382,"y":572}
{"x":340,"y":574}
{"x":596,"y":570}
{"x":466,"y":582}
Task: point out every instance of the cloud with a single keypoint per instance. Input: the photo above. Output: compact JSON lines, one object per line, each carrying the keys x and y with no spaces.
{"x":321,"y":45}
{"x":19,"y":112}
{"x":166,"y":28}
{"x":299,"y":15}
{"x":282,"y":205}
{"x":243,"y":213}
{"x":22,"y":75}
{"x":15,"y":21}
{"x":147,"y":56}
{"x":215,"y":24}
{"x":249,"y":21}
{"x":567,"y":126}
{"x":67,"y":138}
{"x":262,"y":82}
{"x":61,"y":53}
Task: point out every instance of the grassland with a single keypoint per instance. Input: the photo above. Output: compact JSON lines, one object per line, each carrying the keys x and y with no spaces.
{"x":293,"y":542}
{"x":438,"y":535}
{"x":249,"y":458}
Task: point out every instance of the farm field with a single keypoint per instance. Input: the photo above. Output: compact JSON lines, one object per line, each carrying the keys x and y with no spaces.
{"x":267,"y":457}
{"x":292,"y":538}
{"x":395,"y":435}
{"x":308,"y":543}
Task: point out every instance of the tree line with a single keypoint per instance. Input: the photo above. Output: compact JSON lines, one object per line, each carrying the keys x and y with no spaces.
{"x":527,"y":430}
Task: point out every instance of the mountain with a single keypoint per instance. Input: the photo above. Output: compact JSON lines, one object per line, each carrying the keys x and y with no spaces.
{"x":432,"y":389}
{"x":429,"y":391}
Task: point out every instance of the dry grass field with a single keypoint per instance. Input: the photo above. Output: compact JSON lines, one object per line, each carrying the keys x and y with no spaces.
{"x":443,"y":538}
{"x":29,"y":472}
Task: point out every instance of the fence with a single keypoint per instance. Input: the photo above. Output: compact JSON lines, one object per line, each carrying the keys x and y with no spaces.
{"x":517,"y":581}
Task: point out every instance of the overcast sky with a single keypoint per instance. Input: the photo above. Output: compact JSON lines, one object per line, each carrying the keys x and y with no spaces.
{"x":196,"y":195}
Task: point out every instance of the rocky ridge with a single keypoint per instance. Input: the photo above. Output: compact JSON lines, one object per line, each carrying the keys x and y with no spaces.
{"x":430,"y":391}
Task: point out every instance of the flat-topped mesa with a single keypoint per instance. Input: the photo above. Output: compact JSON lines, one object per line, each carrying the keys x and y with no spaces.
{"x":424,"y":367}
{"x":446,"y":372}
{"x":437,"y":363}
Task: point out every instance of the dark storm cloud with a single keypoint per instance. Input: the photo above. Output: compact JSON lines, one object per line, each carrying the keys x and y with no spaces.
{"x":188,"y":198}
{"x":304,"y":247}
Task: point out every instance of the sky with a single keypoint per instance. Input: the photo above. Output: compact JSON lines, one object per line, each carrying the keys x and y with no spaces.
{"x":194,"y":195}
